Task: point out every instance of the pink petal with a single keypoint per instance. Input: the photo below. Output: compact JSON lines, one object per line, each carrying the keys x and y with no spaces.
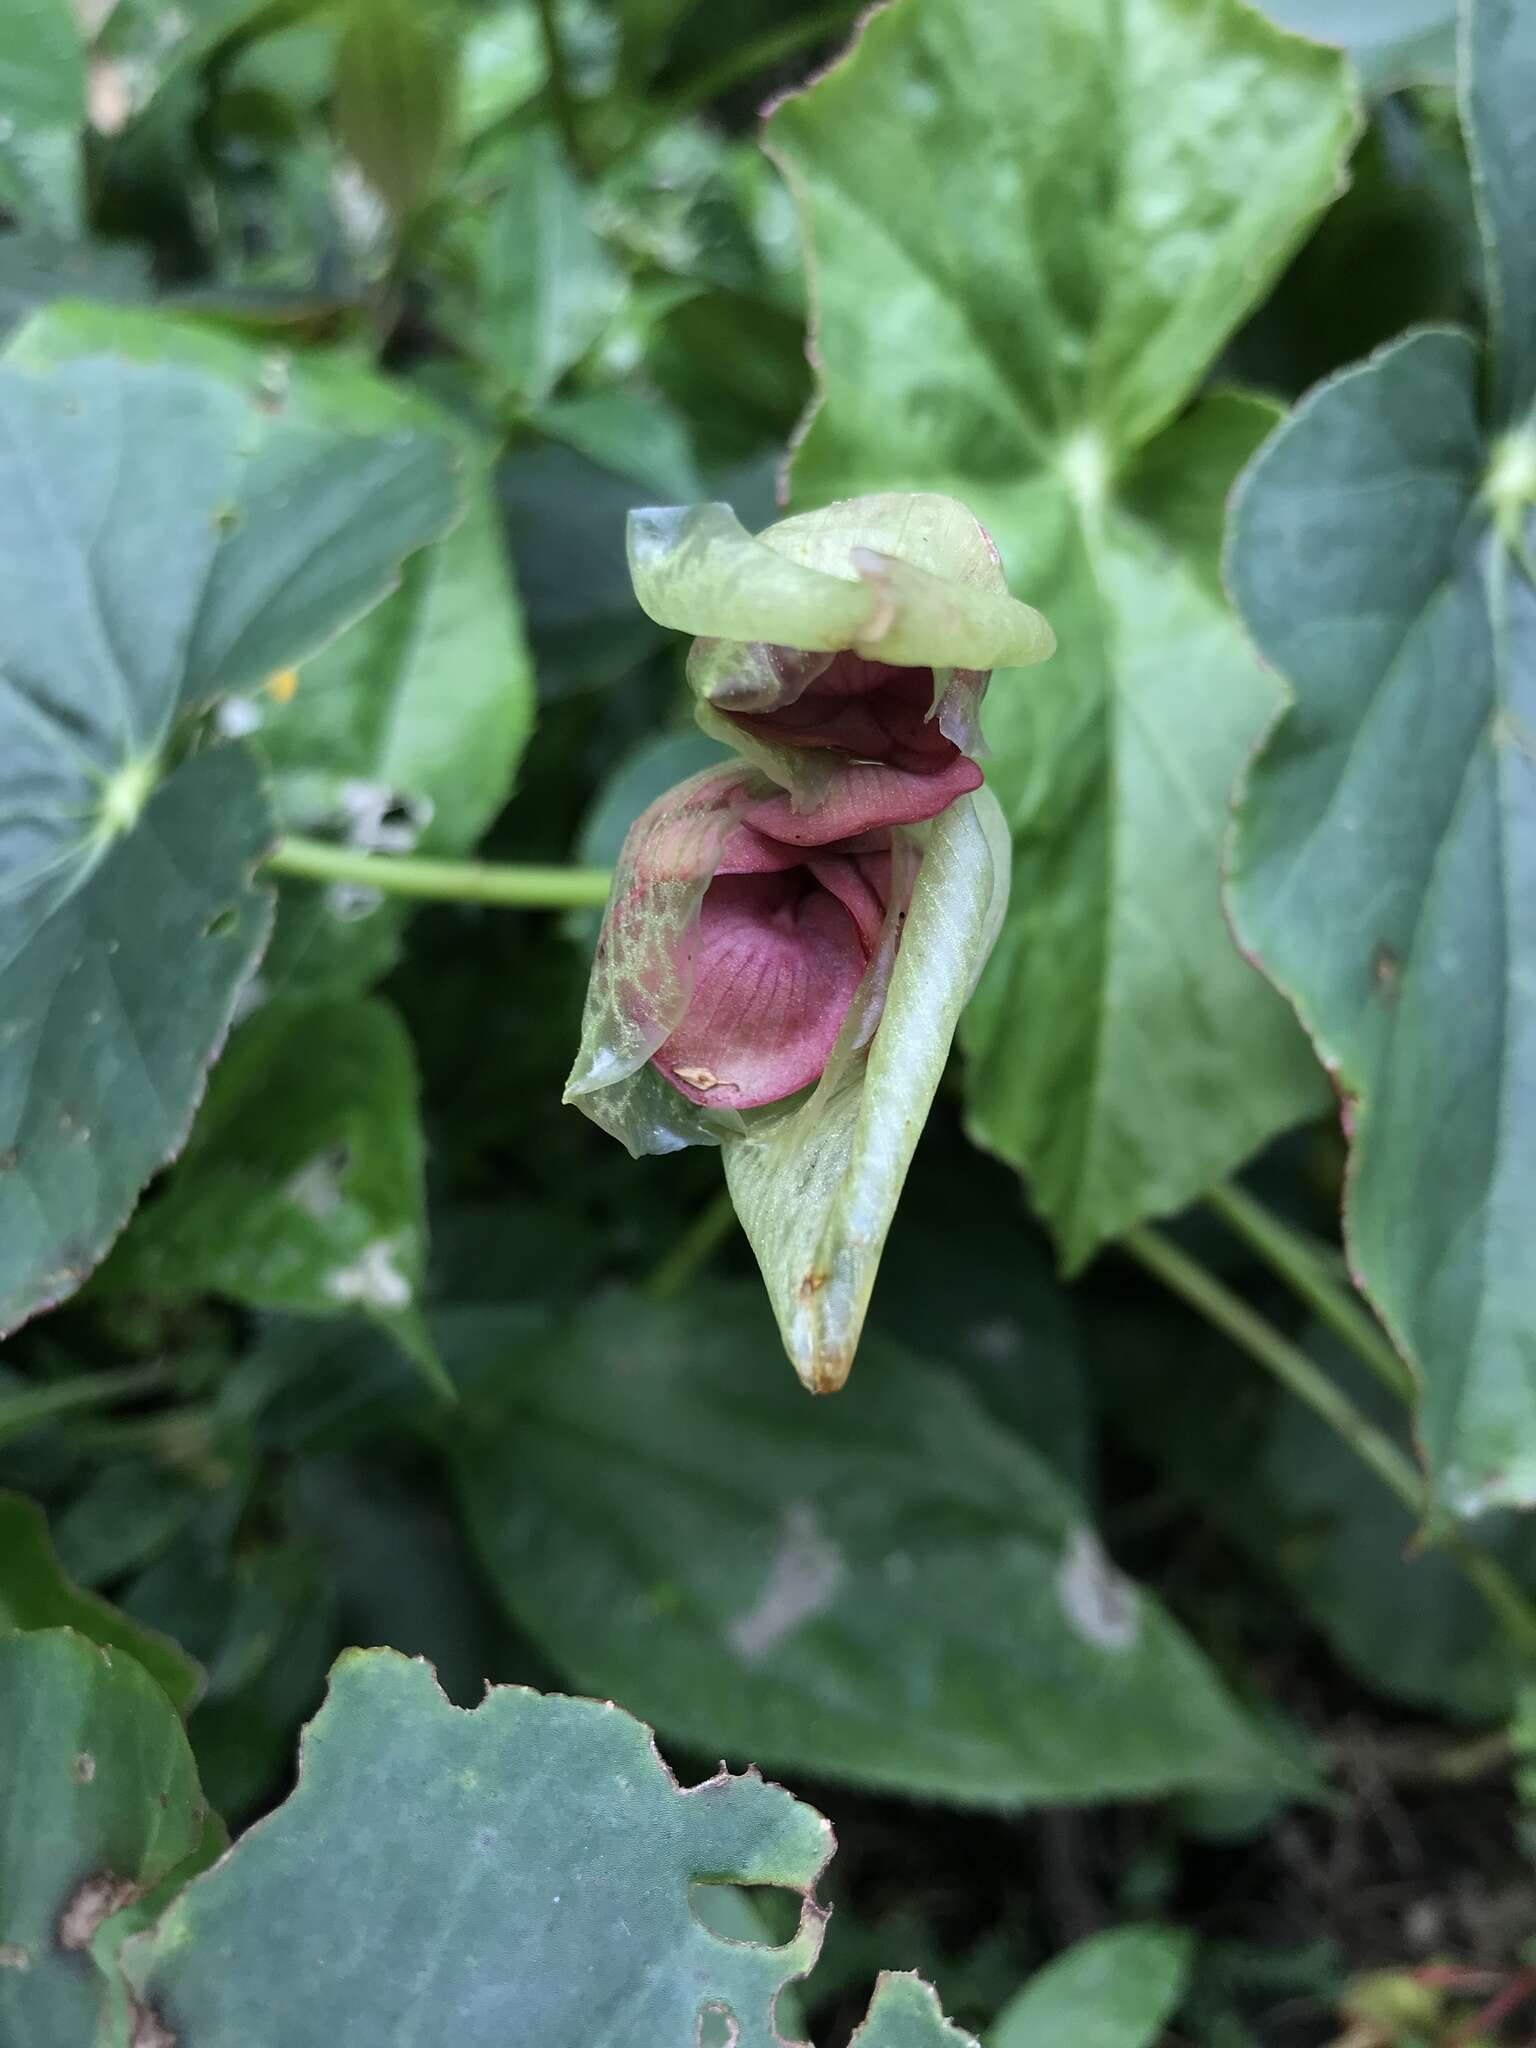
{"x":776,"y":963}
{"x":864,"y":795}
{"x":861,"y":886}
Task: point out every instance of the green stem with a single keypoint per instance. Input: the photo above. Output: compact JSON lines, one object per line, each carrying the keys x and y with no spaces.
{"x":85,"y":1390}
{"x":1230,"y":1314}
{"x":447,"y":881}
{"x":1297,"y":1263}
{"x":562,"y":95}
{"x":703,"y":1237}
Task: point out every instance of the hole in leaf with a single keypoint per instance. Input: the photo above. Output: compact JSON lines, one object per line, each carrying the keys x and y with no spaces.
{"x":717,"y":2026}
{"x":222,"y":923}
{"x":767,"y":1915}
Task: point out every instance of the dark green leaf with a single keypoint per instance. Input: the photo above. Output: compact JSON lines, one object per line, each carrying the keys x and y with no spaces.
{"x":1014,"y":320}
{"x":301,"y":1189}
{"x":35,"y":1594}
{"x":887,"y":1587}
{"x":522,"y":1869}
{"x":42,"y":117}
{"x":171,"y":528}
{"x":1384,"y":865}
{"x":1116,"y":1990}
{"x":98,"y":1802}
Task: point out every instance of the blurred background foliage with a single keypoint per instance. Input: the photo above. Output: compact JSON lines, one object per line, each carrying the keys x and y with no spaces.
{"x":552,"y":222}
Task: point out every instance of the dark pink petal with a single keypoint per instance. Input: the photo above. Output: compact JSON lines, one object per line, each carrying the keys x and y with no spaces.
{"x":868,"y":709}
{"x":866,"y":794}
{"x":777,"y":960}
{"x":855,"y":884}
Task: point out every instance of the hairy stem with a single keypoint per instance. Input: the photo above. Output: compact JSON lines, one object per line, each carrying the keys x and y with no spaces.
{"x":1299,"y":1265}
{"x":1230,"y":1314}
{"x":444,"y":881}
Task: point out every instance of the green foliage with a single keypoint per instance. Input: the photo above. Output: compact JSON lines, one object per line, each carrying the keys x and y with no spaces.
{"x":98,"y":1805}
{"x":1065,"y":282}
{"x":1381,"y":872}
{"x":1115,"y":1991}
{"x":838,"y":1605}
{"x":341,"y":343}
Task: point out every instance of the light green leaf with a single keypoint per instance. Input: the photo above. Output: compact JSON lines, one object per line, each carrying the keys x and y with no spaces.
{"x":35,"y":1594}
{"x":1385,"y":866}
{"x":42,"y":95}
{"x":396,"y":70}
{"x":301,"y":1188}
{"x":98,"y":1802}
{"x":402,"y":736}
{"x":408,"y":730}
{"x":816,"y":1184}
{"x":523,"y":1869}
{"x":526,"y":285}
{"x":1115,"y":1990}
{"x":905,"y":2013}
{"x":178,"y":516}
{"x":1394,"y":43}
{"x":888,"y":1588}
{"x":1013,"y":321}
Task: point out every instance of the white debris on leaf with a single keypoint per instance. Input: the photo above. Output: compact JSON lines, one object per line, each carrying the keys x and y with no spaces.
{"x":806,"y":1572}
{"x":374,"y":1279}
{"x":1098,"y":1600}
{"x":316,"y":1187}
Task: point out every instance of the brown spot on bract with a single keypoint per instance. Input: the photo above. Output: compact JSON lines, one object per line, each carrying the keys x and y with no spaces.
{"x":93,"y":1900}
{"x":10,"y":1158}
{"x":1386,"y":970}
{"x":148,"y":2030}
{"x":85,"y":1768}
{"x":812,"y":1285}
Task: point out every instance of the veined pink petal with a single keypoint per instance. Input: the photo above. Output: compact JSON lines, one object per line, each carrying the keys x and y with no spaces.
{"x":864,"y":795}
{"x":776,"y":961}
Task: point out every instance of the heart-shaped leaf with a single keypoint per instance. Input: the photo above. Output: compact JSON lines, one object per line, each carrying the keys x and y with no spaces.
{"x":814,"y":1584}
{"x":36,"y":1594}
{"x":98,"y":1802}
{"x":301,"y":1188}
{"x":1015,"y":320}
{"x":519,"y":1871}
{"x":1385,"y":865}
{"x":178,"y":516}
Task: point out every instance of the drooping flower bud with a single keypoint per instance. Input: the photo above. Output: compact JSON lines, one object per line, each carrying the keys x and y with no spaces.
{"x":866,"y":631}
{"x":790,"y":938}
